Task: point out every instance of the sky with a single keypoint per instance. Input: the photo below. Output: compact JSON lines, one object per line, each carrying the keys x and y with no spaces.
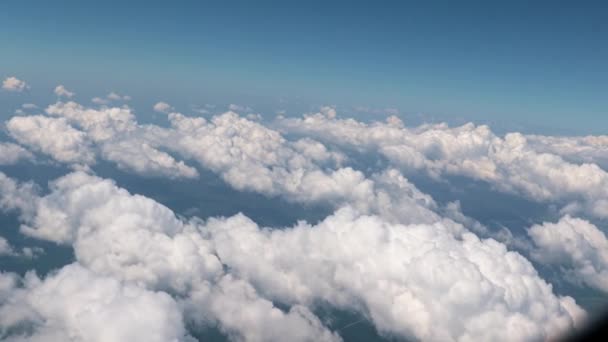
{"x":302,"y":171}
{"x":538,"y":67}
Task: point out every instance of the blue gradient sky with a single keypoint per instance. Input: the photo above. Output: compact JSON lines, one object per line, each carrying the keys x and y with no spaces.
{"x":541,"y":66}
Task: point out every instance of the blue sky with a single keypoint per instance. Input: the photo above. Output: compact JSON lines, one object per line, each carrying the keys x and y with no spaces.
{"x":540,"y":65}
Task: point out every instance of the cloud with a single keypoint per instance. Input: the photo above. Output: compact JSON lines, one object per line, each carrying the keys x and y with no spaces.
{"x":117,"y":97}
{"x":5,"y":247}
{"x":576,"y":246}
{"x":11,"y":154}
{"x":587,"y":149}
{"x":70,"y":305}
{"x":76,"y":134}
{"x":14,"y":84}
{"x":353,"y":262}
{"x":61,"y":91}
{"x":111,"y":97}
{"x":29,"y":106}
{"x":162,"y":107}
{"x":52,"y":136}
{"x":329,"y":112}
{"x":138,"y":241}
{"x":509,"y":163}
{"x":15,"y":196}
{"x":239,"y":108}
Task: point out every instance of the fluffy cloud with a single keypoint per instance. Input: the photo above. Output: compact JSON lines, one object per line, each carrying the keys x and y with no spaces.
{"x":117,"y":97}
{"x":52,"y":136}
{"x":162,"y":107}
{"x":354,"y":262}
{"x":112,"y":96}
{"x":29,"y":106}
{"x":5,"y":247}
{"x":61,"y":91}
{"x":577,"y":246}
{"x":12,"y":153}
{"x":409,"y":280}
{"x":587,"y":149}
{"x":137,"y":240}
{"x":14,"y":84}
{"x":77,"y":305}
{"x":17,"y":196}
{"x":75,"y":134}
{"x":509,"y":163}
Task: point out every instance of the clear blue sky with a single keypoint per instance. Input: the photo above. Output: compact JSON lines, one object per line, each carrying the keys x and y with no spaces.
{"x":532,"y":62}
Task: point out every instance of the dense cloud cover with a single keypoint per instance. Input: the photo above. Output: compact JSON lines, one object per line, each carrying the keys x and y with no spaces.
{"x":412,"y":267}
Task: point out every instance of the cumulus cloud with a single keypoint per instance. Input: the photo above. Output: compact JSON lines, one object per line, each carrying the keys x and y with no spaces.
{"x":586,"y":149}
{"x":576,"y":246}
{"x":29,"y":106}
{"x":52,"y":136}
{"x":14,"y":84}
{"x":389,"y":252}
{"x":5,"y":247}
{"x":137,"y":240}
{"x":75,"y":135}
{"x":409,"y":280}
{"x":162,"y":107}
{"x":117,"y":97}
{"x":71,"y":304}
{"x":509,"y":163}
{"x":61,"y":91}
{"x":111,"y":97}
{"x":239,"y":108}
{"x":11,"y":153}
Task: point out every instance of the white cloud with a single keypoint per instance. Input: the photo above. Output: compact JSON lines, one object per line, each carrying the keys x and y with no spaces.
{"x":577,"y":246}
{"x":61,"y":91}
{"x":162,"y":107}
{"x":117,"y":97}
{"x":14,"y":84}
{"x":509,"y":163}
{"x":52,"y":136}
{"x":16,"y":196}
{"x":5,"y":247}
{"x":70,"y":305}
{"x":112,"y":96}
{"x":239,"y":108}
{"x":134,"y":239}
{"x":29,"y":106}
{"x":100,"y":101}
{"x":329,"y":112}
{"x":417,"y":280}
{"x":11,"y":154}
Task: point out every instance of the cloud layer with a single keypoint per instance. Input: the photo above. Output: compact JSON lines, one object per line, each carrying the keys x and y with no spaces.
{"x":410,"y":266}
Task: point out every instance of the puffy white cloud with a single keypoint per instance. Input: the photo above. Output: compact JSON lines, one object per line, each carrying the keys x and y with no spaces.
{"x":162,"y":107}
{"x":29,"y":106}
{"x":11,"y":153}
{"x":17,"y":196}
{"x":5,"y":247}
{"x":61,"y":91}
{"x":586,"y":149}
{"x":411,"y":281}
{"x":110,"y":132}
{"x":239,"y":108}
{"x":77,"y":305}
{"x":112,"y":96}
{"x":509,"y":163}
{"x":52,"y":136}
{"x":117,"y":97}
{"x":135,"y":239}
{"x":577,"y":246}
{"x":329,"y":112}
{"x":417,"y":280}
{"x":14,"y":84}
